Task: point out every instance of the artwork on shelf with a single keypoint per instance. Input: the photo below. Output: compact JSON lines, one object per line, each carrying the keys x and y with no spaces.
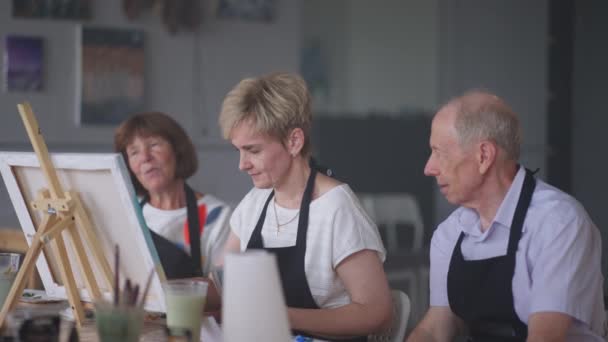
{"x":258,"y":10}
{"x":23,"y":63}
{"x":112,"y":75}
{"x":54,"y":9}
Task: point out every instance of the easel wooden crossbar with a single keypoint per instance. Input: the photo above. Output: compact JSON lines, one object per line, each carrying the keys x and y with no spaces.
{"x":61,"y":212}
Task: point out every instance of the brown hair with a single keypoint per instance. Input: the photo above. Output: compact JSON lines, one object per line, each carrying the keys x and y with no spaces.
{"x":162,"y":125}
{"x":275,"y":103}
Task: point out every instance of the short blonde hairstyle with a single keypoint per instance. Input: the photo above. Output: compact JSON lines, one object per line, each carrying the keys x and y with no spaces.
{"x":275,"y":104}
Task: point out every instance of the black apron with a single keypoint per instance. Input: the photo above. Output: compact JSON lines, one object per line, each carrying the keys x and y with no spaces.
{"x":480,"y":291}
{"x":291,"y":259}
{"x":175,"y":261}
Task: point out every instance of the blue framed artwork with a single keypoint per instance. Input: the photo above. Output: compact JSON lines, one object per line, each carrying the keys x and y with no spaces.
{"x":112,"y":84}
{"x":256,"y":10}
{"x":23,"y":63}
{"x":54,"y":9}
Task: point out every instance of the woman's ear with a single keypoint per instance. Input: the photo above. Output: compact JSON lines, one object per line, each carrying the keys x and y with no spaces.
{"x":295,"y":141}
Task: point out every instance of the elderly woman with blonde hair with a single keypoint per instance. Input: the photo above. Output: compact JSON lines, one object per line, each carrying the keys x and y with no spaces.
{"x":328,"y":250}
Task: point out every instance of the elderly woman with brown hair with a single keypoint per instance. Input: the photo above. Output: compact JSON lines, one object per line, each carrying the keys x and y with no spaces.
{"x":188,"y":228}
{"x":328,"y":250}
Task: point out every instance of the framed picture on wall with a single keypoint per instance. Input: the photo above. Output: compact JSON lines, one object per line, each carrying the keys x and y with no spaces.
{"x":54,"y":9}
{"x":23,"y":63}
{"x":112,"y":75}
{"x":256,"y":10}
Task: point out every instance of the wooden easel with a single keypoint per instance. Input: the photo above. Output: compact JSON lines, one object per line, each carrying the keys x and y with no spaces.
{"x":61,"y":212}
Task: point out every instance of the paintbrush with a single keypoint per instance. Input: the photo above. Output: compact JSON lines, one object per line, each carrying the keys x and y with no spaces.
{"x":134,"y":295}
{"x":126,"y":293}
{"x":116,"y":275}
{"x":145,"y":293}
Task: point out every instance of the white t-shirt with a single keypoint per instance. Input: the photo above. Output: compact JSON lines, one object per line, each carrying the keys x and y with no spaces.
{"x":337,"y":228}
{"x":171,"y":224}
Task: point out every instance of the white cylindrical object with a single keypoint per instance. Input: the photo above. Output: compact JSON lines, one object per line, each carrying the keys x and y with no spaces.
{"x":253,"y":305}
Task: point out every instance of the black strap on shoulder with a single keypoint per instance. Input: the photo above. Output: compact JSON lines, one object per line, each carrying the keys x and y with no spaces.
{"x":193,"y":226}
{"x":321,"y":168}
{"x":176,"y":262}
{"x":521,"y":210}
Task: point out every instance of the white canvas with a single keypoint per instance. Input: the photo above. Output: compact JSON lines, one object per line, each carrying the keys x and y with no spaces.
{"x":104,"y":186}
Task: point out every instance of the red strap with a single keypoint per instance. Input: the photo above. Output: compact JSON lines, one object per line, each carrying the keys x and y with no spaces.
{"x":202,"y":217}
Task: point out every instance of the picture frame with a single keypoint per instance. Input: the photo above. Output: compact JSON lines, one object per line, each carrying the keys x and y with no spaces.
{"x":105,"y":190}
{"x":53,"y":9}
{"x":253,"y":10}
{"x":111,"y":84}
{"x":23,"y":63}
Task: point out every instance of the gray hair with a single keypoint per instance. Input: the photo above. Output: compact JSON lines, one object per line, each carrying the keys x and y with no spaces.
{"x":481,"y":116}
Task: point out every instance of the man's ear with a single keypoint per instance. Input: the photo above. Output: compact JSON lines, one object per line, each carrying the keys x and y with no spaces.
{"x":295,"y":141}
{"x":486,"y":155}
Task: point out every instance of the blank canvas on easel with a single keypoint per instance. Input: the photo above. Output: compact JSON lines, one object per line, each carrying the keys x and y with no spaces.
{"x":103,"y":184}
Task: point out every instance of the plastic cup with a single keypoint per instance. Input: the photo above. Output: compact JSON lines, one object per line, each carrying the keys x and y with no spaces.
{"x":9,"y":266}
{"x":185,"y":300}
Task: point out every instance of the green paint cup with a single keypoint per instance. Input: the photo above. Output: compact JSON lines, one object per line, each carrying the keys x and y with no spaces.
{"x":118,"y":323}
{"x":185,"y":300}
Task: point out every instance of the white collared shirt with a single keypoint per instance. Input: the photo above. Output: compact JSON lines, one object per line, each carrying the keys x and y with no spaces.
{"x":558,"y":261}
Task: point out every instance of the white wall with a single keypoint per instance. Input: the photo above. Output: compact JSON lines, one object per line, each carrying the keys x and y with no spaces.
{"x":390,"y":55}
{"x":500,"y":46}
{"x":381,"y":55}
{"x":393,"y":53}
{"x":186,"y":76}
{"x":326,"y":22}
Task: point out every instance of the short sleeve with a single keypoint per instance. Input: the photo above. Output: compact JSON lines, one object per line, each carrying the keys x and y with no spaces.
{"x":212,"y":243}
{"x":246,"y":214}
{"x":567,"y":263}
{"x":236,"y":219}
{"x":241,"y":212}
{"x":442,"y":245}
{"x":354,"y":231}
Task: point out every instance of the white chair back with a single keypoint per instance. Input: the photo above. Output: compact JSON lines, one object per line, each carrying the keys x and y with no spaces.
{"x":401,"y":314}
{"x":391,"y":209}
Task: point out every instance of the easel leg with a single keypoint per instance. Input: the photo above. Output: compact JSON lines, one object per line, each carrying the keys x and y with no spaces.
{"x":27,"y":267}
{"x":85,"y":266}
{"x":82,"y":220}
{"x":68,"y":278}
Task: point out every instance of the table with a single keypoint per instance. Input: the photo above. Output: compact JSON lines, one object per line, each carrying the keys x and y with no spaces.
{"x":152,"y":331}
{"x":153,"y":328}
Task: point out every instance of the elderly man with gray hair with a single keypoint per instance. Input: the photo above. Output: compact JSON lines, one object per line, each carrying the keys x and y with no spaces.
{"x":519,"y":260}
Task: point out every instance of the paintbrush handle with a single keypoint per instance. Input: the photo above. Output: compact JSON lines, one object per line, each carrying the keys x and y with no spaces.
{"x":134,"y":295}
{"x":126,"y":293}
{"x":116,"y":275}
{"x":146,"y":289}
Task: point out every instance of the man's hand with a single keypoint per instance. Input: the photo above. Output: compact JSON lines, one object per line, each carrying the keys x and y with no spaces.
{"x":548,"y":326}
{"x":438,"y":325}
